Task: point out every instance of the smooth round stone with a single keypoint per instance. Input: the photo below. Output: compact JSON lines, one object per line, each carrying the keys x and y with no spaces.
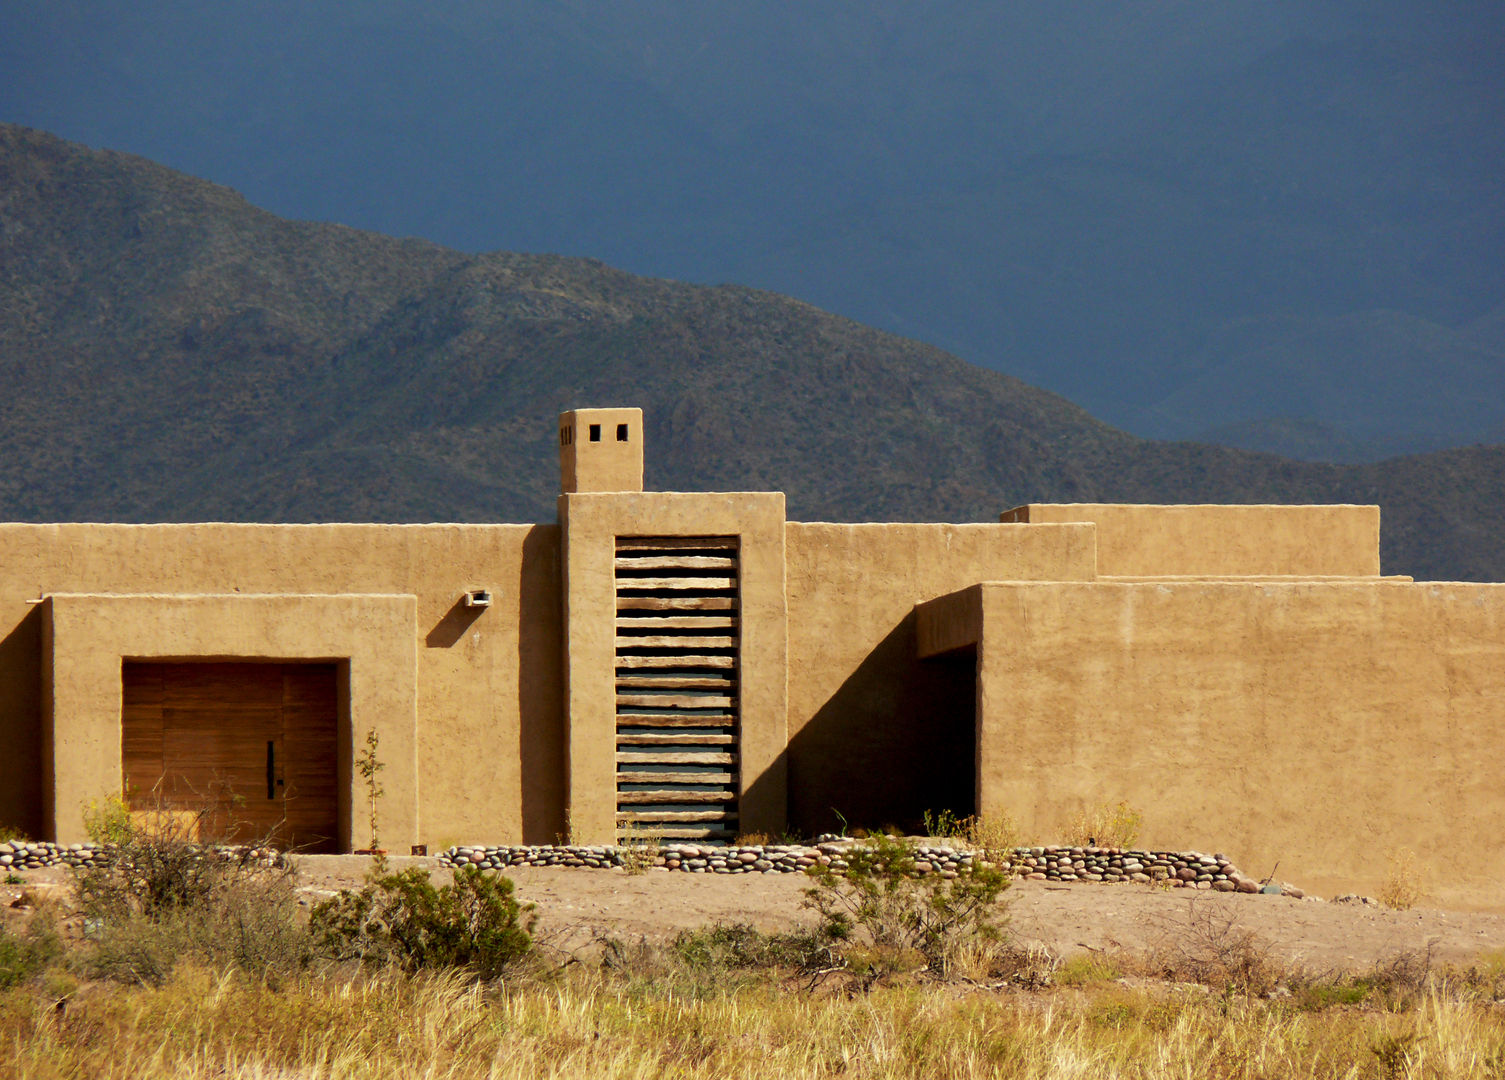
{"x":1248,"y":885}
{"x":1224,"y":886}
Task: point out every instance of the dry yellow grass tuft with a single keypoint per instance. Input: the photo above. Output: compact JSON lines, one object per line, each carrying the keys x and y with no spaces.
{"x":1106,"y":825}
{"x":1405,"y":885}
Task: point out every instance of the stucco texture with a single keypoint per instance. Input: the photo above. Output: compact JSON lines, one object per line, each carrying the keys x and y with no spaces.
{"x":489,"y":743}
{"x":591,"y":524}
{"x":1322,"y":726}
{"x":876,"y":736}
{"x":1224,"y":541}
{"x":87,"y":637}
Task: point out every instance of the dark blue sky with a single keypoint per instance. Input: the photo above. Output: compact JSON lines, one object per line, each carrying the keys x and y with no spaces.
{"x":1182,"y":215}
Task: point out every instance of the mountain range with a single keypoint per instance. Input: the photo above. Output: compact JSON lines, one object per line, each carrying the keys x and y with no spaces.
{"x":1271,"y":224}
{"x":170,"y":352}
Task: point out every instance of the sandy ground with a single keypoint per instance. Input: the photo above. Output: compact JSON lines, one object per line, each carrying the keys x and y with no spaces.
{"x":577,"y":905}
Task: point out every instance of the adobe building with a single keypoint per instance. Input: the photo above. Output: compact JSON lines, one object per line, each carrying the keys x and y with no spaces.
{"x":696,"y":663}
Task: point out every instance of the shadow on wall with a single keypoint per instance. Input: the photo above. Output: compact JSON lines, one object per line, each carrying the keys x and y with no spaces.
{"x":897,"y":739}
{"x":21,"y":764}
{"x":540,"y":688}
{"x":448,"y":631}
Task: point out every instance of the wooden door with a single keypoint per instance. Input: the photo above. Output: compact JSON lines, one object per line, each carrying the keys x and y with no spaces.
{"x":248,"y":747}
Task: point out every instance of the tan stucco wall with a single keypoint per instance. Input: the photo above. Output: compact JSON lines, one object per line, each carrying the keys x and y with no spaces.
{"x":1147,"y":540}
{"x":874,"y":733}
{"x":88,"y":637}
{"x":608,"y":464}
{"x":1320,"y":725}
{"x":490,"y":741}
{"x":591,"y":524}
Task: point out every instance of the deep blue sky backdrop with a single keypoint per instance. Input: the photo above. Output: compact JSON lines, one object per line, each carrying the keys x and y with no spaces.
{"x":1280,"y":222}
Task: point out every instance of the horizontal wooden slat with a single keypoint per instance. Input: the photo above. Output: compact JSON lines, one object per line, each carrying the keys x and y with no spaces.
{"x":657,"y":757}
{"x":675,"y":622}
{"x":665,"y":641}
{"x":690,"y":832}
{"x":676,"y":777}
{"x":676,"y":739}
{"x":678,"y":701}
{"x":676,"y":562}
{"x":674,"y":795}
{"x":650,"y":543}
{"x":686,"y":602}
{"x":677,"y":816}
{"x":675,"y":682}
{"x":681,"y":660}
{"x":673,"y":720}
{"x":708,"y":583}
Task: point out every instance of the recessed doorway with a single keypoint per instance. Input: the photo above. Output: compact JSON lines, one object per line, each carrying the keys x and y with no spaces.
{"x":248,"y":747}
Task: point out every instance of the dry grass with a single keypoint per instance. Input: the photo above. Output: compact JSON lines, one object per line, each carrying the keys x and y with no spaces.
{"x":641,"y":845}
{"x":1405,"y":885}
{"x":1106,"y":825}
{"x":594,"y":1022}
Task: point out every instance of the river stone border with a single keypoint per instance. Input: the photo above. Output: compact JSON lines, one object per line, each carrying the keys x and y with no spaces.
{"x":36,"y":854}
{"x":1176,"y":869}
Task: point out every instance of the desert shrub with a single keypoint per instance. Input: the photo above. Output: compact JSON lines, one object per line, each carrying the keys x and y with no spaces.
{"x":740,"y":946}
{"x":108,"y":820}
{"x":153,"y":872}
{"x":162,"y":897}
{"x":10,"y":832}
{"x":247,"y":922}
{"x":27,"y":954}
{"x":904,"y":914}
{"x":1106,"y":825}
{"x":1209,"y":946}
{"x":1318,"y":995}
{"x":474,"y":924}
{"x":1086,"y":968}
{"x":1405,"y":885}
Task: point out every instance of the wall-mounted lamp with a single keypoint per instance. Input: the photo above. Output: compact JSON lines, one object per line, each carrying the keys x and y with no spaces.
{"x":478,"y":598}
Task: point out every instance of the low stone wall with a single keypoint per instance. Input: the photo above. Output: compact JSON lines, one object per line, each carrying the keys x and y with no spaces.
{"x":1177,"y":869}
{"x":35,"y":854}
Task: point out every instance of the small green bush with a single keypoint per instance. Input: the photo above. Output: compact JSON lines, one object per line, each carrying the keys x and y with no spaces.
{"x":108,"y":820}
{"x":24,"y":956}
{"x":1086,"y":968}
{"x":939,"y":919}
{"x":475,"y":924}
{"x":741,"y":946}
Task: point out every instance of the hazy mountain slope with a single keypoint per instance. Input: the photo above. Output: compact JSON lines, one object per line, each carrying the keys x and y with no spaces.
{"x":169,"y":352}
{"x":1127,"y":203}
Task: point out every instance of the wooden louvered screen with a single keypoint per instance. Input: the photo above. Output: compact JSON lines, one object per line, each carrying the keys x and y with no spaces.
{"x":677,"y":702}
